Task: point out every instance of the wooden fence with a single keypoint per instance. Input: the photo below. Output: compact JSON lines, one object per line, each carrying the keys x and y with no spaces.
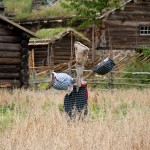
{"x":112,"y":80}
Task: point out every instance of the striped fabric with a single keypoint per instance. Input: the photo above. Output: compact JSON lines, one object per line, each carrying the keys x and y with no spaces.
{"x":104,"y":66}
{"x":62,"y":81}
{"x":76,"y":103}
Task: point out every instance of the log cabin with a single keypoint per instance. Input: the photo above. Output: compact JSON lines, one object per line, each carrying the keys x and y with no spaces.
{"x":56,"y":50}
{"x":126,"y":28}
{"x":14,"y":69}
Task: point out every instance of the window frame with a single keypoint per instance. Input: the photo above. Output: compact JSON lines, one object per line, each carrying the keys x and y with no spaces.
{"x":146,"y":30}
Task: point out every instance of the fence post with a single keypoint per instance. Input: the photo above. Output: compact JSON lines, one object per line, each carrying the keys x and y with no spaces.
{"x":110,"y":81}
{"x":35,"y":86}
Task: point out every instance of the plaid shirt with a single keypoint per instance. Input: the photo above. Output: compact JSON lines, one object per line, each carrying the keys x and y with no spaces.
{"x":62,"y":81}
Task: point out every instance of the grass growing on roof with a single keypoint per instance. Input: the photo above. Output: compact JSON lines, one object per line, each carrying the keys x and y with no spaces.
{"x":54,"y":11}
{"x":50,"y":33}
{"x":22,"y":10}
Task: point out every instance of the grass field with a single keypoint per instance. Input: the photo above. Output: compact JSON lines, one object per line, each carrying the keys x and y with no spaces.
{"x":116,"y":121}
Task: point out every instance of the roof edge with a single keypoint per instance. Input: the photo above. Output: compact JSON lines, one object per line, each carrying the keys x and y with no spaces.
{"x":18,"y":26}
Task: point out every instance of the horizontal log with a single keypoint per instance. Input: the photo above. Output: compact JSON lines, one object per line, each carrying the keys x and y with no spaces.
{"x":128,"y":23}
{"x":5,"y":54}
{"x":10,"y":68}
{"x":134,"y":12}
{"x":142,"y":39}
{"x":9,"y":75}
{"x":40,"y":52}
{"x":121,"y":46}
{"x":9,"y":83}
{"x":122,"y":29}
{"x":11,"y":47}
{"x":4,"y":32}
{"x":61,"y":61}
{"x":124,"y":40}
{"x":40,"y":56}
{"x":62,"y":47}
{"x":10,"y":39}
{"x":38,"y":48}
{"x":7,"y":61}
{"x":130,"y":17}
{"x":122,"y":34}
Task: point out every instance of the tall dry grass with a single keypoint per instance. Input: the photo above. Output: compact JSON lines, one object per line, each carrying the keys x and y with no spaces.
{"x":37,"y":123}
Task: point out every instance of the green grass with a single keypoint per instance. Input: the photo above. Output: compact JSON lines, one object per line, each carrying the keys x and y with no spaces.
{"x":9,"y":112}
{"x":22,"y":10}
{"x":49,"y":33}
{"x":47,"y":12}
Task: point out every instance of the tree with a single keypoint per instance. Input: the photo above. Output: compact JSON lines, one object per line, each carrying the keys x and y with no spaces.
{"x":88,"y":11}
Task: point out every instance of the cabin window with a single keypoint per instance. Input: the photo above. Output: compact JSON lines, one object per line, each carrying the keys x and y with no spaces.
{"x":145,"y":30}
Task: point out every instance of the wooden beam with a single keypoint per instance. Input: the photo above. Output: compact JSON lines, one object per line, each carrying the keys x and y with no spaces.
{"x":10,"y":47}
{"x":8,"y":61}
{"x":10,"y":39}
{"x":10,"y":68}
{"x":4,"y":32}
{"x":5,"y":54}
{"x":9,"y":75}
{"x":9,"y":83}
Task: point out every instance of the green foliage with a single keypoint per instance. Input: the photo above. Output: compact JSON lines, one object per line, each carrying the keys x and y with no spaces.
{"x":48,"y":105}
{"x":146,"y":52}
{"x":5,"y":108}
{"x":88,"y":9}
{"x":21,"y":8}
{"x":121,"y":109}
{"x":6,"y":115}
{"x":138,"y":66}
{"x":60,"y":107}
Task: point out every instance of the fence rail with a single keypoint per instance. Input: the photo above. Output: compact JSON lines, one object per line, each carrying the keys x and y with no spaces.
{"x":111,"y":80}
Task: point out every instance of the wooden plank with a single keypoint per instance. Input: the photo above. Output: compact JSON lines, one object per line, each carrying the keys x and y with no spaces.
{"x":40,"y":56}
{"x":5,"y":54}
{"x":61,"y":61}
{"x":129,"y":40}
{"x":122,"y":29}
{"x":122,"y":46}
{"x":37,"y":81}
{"x":128,"y":23}
{"x":9,"y":75}
{"x":10,"y":68}
{"x":7,"y":61}
{"x":10,"y":39}
{"x":11,"y":47}
{"x":40,"y":52}
{"x":36,"y":49}
{"x":4,"y":32}
{"x":9,"y":83}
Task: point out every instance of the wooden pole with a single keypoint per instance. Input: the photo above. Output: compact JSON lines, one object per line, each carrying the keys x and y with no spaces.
{"x":71,"y":56}
{"x":35,"y":86}
{"x":93,"y":44}
{"x":33,"y":63}
{"x":110,"y":75}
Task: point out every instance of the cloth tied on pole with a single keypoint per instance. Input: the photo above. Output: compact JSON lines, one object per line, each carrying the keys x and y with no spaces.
{"x":81,"y":54}
{"x":62,"y":81}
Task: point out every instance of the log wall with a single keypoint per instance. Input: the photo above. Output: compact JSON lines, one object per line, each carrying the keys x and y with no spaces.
{"x":13,"y":57}
{"x":122,"y":27}
{"x":59,"y":52}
